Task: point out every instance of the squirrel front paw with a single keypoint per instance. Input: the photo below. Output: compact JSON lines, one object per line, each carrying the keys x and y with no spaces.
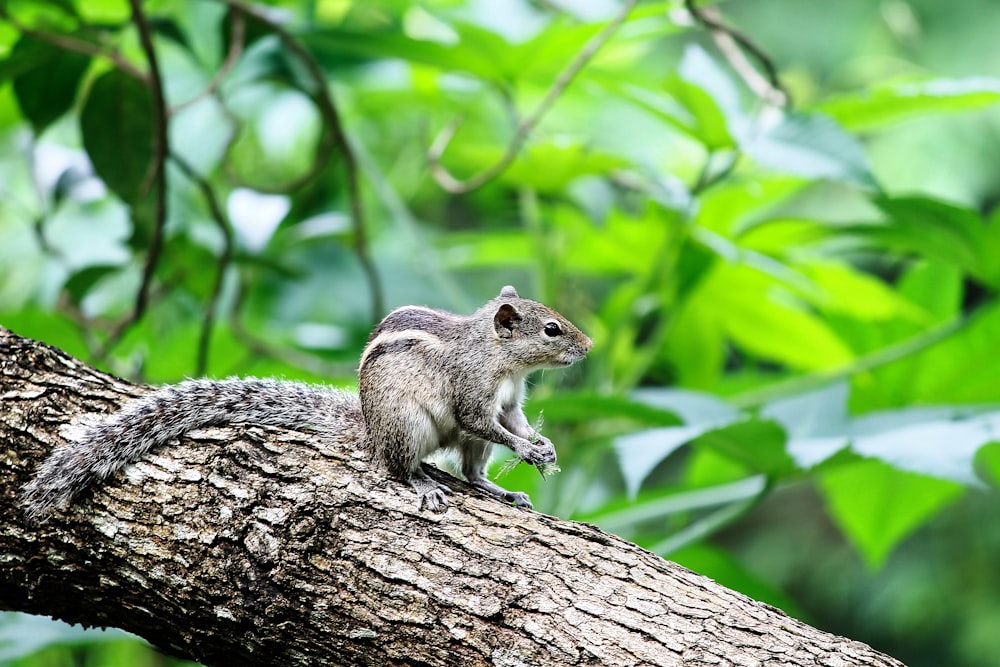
{"x":540,"y":451}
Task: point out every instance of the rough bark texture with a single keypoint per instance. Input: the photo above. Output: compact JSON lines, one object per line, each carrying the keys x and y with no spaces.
{"x":264,"y":546}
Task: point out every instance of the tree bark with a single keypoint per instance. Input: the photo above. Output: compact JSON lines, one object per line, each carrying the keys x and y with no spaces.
{"x":249,"y":545}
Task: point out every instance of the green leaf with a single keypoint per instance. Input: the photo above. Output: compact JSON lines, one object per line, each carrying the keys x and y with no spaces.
{"x":549,"y":167}
{"x":812,"y":146}
{"x":851,"y":292}
{"x":757,"y":443}
{"x":118,"y":134}
{"x":640,"y":453}
{"x":79,"y":284}
{"x":876,"y":505}
{"x":934,"y":229}
{"x":331,"y":45}
{"x":748,"y":304}
{"x":46,"y":81}
{"x":697,"y":115}
{"x":889,"y":103}
{"x":987,"y":464}
{"x":934,"y":286}
{"x":52,"y":327}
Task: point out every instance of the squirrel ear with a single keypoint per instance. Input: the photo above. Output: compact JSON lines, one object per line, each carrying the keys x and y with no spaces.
{"x":505,"y":320}
{"x":508,"y":292}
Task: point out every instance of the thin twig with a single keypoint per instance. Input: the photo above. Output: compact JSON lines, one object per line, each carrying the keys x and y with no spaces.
{"x":447,"y":181}
{"x":237,"y":40}
{"x":339,"y":140}
{"x":225,"y":258}
{"x":732,"y":43}
{"x":75,"y":45}
{"x":161,"y":148}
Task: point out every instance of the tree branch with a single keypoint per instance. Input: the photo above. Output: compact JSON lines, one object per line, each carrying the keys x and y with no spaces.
{"x":730,"y":42}
{"x":259,"y":546}
{"x":440,"y":144}
{"x":157,"y":177}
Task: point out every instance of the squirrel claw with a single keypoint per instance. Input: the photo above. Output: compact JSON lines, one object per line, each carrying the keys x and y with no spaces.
{"x":435,"y":500}
{"x":519,"y":499}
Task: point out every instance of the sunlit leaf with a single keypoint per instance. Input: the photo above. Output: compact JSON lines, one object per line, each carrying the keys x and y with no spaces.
{"x":851,"y":292}
{"x":934,"y":286}
{"x":640,"y":453}
{"x":889,"y":103}
{"x":747,"y":306}
{"x":550,"y":167}
{"x":331,"y":44}
{"x":963,"y":368}
{"x":694,"y":112}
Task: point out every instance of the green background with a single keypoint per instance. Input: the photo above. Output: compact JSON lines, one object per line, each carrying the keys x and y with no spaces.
{"x":795,"y":380}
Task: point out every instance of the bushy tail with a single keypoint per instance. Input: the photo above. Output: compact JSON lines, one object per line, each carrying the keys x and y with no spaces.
{"x":161,"y":416}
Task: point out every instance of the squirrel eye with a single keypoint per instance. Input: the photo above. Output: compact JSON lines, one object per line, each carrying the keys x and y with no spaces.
{"x":552,"y":329}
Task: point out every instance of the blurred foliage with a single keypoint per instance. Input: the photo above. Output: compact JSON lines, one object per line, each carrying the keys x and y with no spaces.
{"x":791,"y":282}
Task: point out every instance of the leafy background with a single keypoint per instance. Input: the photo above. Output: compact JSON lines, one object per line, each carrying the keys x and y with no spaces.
{"x":790,"y":276}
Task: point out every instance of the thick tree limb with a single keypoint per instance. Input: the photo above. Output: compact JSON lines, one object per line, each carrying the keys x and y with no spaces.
{"x":262,"y":546}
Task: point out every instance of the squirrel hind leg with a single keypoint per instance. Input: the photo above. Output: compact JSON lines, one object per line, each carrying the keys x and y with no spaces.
{"x":432,"y":494}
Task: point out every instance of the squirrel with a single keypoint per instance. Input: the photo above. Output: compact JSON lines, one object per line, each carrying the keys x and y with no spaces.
{"x":428,"y":380}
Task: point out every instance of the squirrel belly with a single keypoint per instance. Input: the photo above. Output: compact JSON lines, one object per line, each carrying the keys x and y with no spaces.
{"x":428,"y":380}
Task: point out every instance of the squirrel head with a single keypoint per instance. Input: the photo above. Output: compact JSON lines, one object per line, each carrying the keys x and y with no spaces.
{"x":535,"y":335}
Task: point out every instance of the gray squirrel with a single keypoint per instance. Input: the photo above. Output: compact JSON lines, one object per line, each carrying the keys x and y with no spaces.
{"x":428,"y":380}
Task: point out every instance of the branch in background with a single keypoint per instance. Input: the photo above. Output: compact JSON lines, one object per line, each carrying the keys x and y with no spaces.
{"x":237,"y":40}
{"x":447,"y":181}
{"x":161,"y":148}
{"x":732,"y":43}
{"x":338,"y":139}
{"x":225,"y":259}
